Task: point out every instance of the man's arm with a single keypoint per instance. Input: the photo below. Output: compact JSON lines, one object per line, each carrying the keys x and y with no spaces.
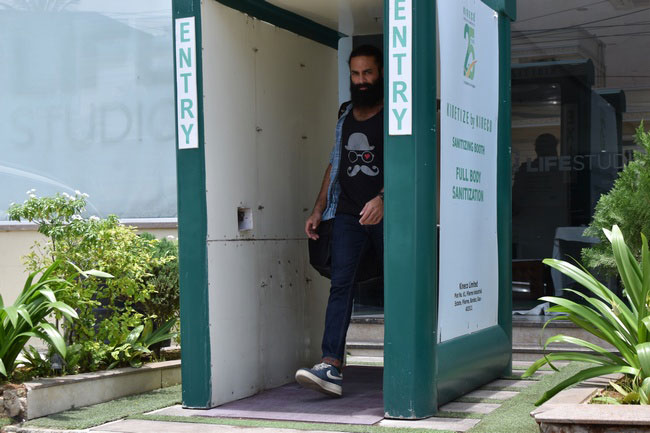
{"x":373,"y":212}
{"x":319,"y":207}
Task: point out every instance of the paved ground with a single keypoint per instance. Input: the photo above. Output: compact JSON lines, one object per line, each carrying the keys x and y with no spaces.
{"x":493,"y":391}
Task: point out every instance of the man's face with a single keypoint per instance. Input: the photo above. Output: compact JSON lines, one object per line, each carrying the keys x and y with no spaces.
{"x":366,"y":84}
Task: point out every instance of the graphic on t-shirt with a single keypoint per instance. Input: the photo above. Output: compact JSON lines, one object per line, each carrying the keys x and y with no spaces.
{"x":360,"y":150}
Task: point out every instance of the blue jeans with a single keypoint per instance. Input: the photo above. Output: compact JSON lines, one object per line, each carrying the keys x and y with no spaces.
{"x":350,"y":240}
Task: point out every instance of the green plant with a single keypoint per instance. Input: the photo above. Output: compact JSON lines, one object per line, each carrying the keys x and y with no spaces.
{"x":27,"y":317}
{"x":107,"y":309}
{"x":625,"y":392}
{"x":165,"y":304}
{"x":625,"y":205}
{"x":138,"y":343}
{"x":623,"y":324}
{"x":33,"y":364}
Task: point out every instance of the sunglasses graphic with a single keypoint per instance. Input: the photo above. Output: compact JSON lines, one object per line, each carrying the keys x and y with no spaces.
{"x":354,"y":155}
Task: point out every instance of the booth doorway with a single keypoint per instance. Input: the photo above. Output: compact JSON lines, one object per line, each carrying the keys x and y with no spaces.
{"x":256,"y":108}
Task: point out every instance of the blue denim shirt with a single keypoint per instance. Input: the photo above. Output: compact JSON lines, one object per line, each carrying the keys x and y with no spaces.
{"x":334,"y":189}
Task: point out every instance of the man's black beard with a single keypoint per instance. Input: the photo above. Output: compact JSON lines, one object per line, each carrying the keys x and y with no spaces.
{"x":371,"y":96}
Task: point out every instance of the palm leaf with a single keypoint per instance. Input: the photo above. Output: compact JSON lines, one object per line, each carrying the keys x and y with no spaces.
{"x":644,"y":390}
{"x":646,"y":322}
{"x":22,"y":311}
{"x":96,"y":273}
{"x":580,"y":342}
{"x":584,"y":278}
{"x":134,"y":334}
{"x":628,"y":268}
{"x":645,"y":266}
{"x":163,"y":333}
{"x":584,"y":375}
{"x":28,"y":282}
{"x":12,"y":315}
{"x":592,"y":284}
{"x":643,"y":351}
{"x":607,"y":313}
{"x":64,"y":308}
{"x":566,"y":356}
{"x":52,"y":336}
{"x":618,"y":388}
{"x":3,"y":370}
{"x":36,"y":289}
{"x":591,"y":316}
{"x":48,"y":293}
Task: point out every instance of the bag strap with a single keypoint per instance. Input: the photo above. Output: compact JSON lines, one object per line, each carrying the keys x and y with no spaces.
{"x":343,"y":107}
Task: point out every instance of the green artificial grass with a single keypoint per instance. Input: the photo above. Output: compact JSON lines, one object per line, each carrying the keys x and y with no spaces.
{"x":502,"y":388}
{"x":450,"y":414}
{"x":524,"y":366}
{"x":513,"y":416}
{"x":102,"y":413}
{"x":518,"y":377}
{"x":352,"y":428}
{"x":478,"y":400}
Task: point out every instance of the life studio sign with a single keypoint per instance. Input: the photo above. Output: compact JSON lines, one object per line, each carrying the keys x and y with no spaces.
{"x":400,"y":53}
{"x":469,"y":93}
{"x":186,"y":100}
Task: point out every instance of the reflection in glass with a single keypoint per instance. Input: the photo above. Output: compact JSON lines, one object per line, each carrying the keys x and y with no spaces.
{"x":88,"y":104}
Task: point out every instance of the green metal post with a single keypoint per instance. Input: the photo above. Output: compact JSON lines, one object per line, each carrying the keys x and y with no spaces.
{"x":504,"y":188}
{"x":410,"y":236}
{"x":192,"y":234}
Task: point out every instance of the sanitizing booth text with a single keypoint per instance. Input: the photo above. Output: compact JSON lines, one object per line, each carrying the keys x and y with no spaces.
{"x":258,"y":86}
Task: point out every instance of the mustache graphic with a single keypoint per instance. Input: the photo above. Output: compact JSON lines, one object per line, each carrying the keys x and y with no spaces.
{"x":352,"y":171}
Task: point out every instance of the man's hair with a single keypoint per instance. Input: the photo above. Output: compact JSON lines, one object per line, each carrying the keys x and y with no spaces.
{"x":368,"y":51}
{"x":546,"y":145}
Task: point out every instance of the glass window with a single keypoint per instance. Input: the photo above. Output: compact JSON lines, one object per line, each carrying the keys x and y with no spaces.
{"x":88,"y":104}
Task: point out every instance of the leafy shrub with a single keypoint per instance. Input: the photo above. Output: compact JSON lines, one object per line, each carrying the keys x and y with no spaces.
{"x":106,"y":309}
{"x":625,"y":324}
{"x":626,"y":205}
{"x":165,"y":304}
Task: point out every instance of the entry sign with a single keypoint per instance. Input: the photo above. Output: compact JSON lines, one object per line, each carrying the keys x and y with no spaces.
{"x":400,"y":66}
{"x":187,"y":119}
{"x":469,"y":86}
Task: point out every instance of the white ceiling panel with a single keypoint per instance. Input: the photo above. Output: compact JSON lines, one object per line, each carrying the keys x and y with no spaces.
{"x":351,"y":17}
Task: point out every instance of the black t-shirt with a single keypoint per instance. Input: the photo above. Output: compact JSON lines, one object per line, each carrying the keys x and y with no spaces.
{"x":361,"y":171}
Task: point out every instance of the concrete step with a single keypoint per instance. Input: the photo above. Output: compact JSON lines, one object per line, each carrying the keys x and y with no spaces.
{"x":531,"y":331}
{"x":365,"y":338}
{"x":526,"y":331}
{"x":365,"y":348}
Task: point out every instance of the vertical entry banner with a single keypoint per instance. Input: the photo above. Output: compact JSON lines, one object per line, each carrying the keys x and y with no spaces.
{"x":400,"y":62}
{"x":187,"y":120}
{"x":469,"y":107}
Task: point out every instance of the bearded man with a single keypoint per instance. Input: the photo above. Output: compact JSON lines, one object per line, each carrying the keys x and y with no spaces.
{"x":352,"y":193}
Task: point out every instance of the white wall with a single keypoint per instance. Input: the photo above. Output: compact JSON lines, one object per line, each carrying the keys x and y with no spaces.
{"x":16,"y":242}
{"x":270,"y":109}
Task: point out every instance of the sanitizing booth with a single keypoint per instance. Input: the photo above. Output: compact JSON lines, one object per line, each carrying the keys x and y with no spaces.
{"x":258,"y":86}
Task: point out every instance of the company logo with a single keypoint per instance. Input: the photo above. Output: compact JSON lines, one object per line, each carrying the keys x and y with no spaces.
{"x":469,"y":68}
{"x":331,"y":376}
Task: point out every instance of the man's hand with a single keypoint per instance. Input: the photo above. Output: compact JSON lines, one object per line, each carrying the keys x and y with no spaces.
{"x":372,"y":212}
{"x":312,"y":224}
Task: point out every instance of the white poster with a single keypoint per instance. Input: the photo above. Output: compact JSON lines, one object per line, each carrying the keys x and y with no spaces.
{"x":469,"y":86}
{"x":187,"y":109}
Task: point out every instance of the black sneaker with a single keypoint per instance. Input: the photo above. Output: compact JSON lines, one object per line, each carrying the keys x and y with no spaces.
{"x":322,"y":377}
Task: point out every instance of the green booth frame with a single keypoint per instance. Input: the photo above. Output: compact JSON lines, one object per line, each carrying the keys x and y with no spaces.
{"x":419,"y":374}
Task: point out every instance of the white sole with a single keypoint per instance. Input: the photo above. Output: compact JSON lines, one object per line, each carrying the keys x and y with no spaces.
{"x":308,"y":380}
